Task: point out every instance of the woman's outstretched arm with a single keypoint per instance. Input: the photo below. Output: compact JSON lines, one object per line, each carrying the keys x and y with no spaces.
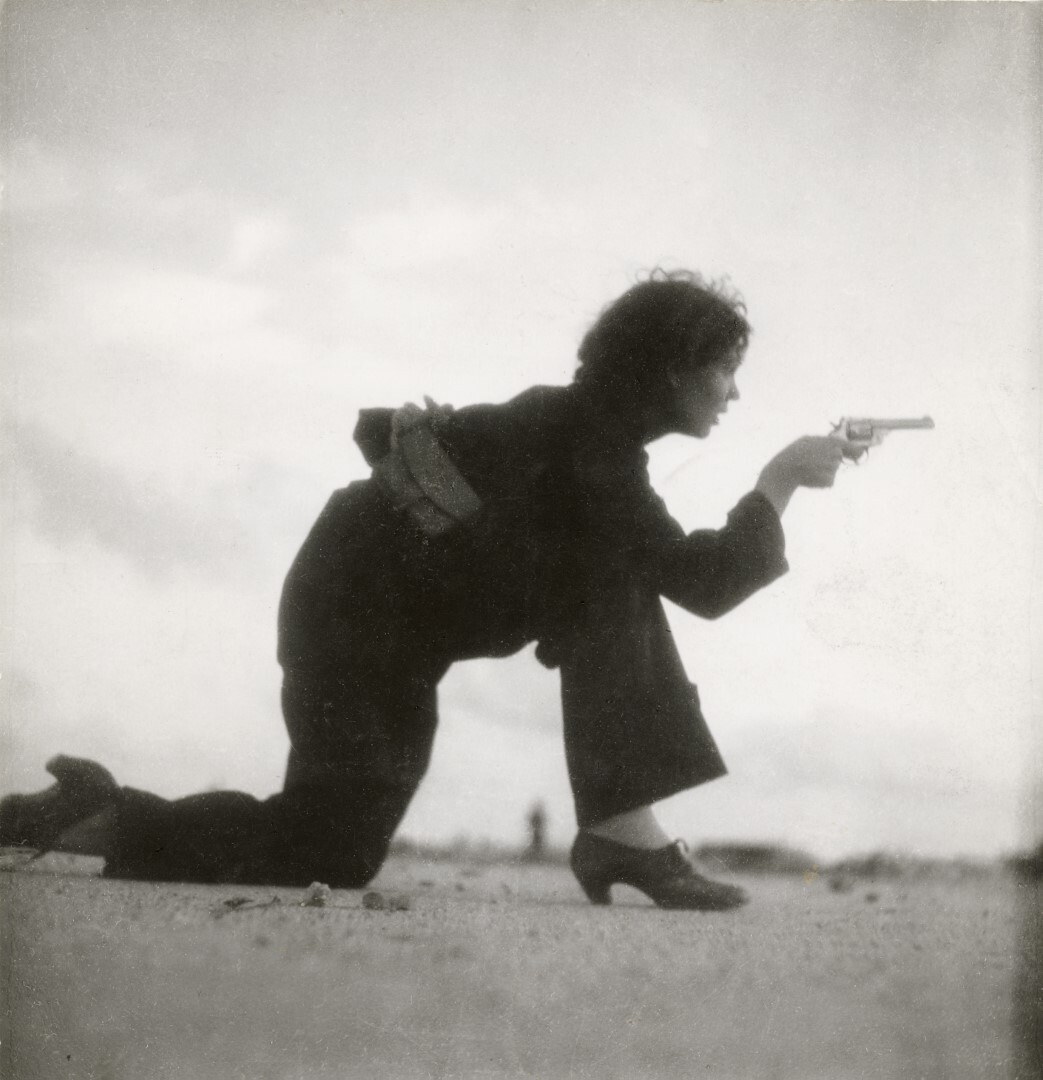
{"x":713,"y":571}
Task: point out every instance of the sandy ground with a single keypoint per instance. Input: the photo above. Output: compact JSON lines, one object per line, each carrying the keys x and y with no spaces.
{"x":505,"y":971}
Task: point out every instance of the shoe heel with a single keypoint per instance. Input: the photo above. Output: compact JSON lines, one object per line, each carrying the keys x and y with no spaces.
{"x":597,"y":892}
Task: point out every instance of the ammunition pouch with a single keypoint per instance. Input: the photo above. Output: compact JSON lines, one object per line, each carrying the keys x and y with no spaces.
{"x":419,"y":477}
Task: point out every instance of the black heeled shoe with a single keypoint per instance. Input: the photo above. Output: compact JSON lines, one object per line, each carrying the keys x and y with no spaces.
{"x":665,"y":874}
{"x":83,"y":789}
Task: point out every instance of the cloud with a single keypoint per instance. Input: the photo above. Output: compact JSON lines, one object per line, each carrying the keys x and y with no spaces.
{"x":22,"y":710}
{"x":428,"y":230}
{"x":68,"y":497}
{"x":37,"y":179}
{"x":155,"y":306}
{"x":893,"y":758}
{"x":134,"y":210}
{"x":424,"y":235}
{"x":515,"y":693}
{"x":254,"y":237}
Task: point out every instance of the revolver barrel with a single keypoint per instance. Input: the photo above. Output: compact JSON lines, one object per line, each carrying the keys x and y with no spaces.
{"x":863,"y":429}
{"x":897,"y":425}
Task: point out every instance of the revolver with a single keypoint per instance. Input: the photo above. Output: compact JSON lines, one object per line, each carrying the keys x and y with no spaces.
{"x":866,"y":433}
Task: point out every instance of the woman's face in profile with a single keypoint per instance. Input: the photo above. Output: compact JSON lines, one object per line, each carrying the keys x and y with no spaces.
{"x":702,"y":395}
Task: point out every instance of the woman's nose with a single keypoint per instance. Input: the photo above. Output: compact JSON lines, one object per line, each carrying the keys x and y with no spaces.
{"x":733,"y":392}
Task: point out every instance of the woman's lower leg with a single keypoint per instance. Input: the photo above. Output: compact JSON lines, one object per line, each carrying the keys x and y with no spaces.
{"x":637,"y":828}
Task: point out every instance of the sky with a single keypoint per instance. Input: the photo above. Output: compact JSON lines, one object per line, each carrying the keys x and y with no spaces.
{"x":227,"y":228}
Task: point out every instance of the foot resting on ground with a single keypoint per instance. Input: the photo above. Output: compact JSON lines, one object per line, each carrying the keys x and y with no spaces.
{"x":84,"y":789}
{"x":665,"y":874}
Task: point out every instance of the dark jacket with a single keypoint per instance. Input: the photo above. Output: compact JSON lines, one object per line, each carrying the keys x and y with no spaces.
{"x":568,"y":512}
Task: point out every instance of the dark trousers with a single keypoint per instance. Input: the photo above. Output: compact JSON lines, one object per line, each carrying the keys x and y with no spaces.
{"x":359,"y":702}
{"x":357,"y":756}
{"x":634,"y":728}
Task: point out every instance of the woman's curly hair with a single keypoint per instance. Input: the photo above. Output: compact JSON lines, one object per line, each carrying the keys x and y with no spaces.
{"x":671,"y":319}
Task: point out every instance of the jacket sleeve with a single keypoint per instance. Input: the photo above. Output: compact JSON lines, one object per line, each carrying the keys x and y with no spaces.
{"x":708,"y":572}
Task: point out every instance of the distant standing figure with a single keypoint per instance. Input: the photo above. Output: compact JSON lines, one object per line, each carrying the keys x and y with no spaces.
{"x":537,"y":849}
{"x":481,"y":530}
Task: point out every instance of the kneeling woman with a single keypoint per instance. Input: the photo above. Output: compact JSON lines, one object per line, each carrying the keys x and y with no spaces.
{"x":481,"y":530}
